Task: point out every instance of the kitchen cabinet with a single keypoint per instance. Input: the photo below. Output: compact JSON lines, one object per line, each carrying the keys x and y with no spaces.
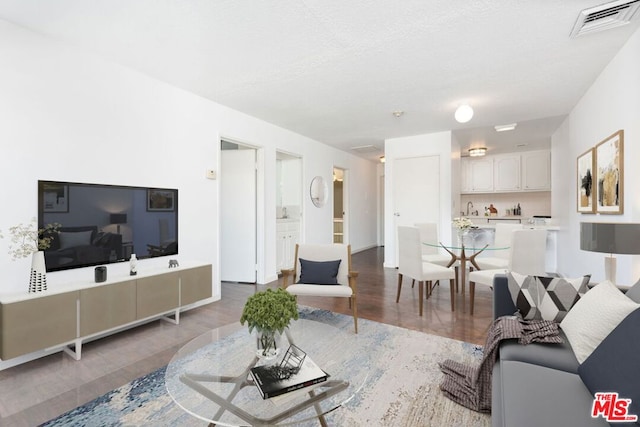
{"x":536,"y":171}
{"x":506,"y":172}
{"x":477,"y":175}
{"x":287,"y":235}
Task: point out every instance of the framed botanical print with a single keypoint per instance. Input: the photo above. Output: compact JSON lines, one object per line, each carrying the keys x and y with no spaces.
{"x":585,"y":180}
{"x":609,"y":183}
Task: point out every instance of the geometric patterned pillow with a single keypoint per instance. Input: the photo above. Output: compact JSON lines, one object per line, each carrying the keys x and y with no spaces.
{"x":545,"y":298}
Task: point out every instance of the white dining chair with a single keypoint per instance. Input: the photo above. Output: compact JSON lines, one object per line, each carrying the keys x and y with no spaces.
{"x":410,"y":264}
{"x":526,"y":256}
{"x":429,"y":234}
{"x":502,"y":239}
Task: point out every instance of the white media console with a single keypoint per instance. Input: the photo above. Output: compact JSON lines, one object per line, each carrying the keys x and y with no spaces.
{"x":35,"y":325}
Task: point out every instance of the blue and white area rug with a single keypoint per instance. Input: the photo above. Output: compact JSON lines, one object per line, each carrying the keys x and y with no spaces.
{"x":403,"y":387}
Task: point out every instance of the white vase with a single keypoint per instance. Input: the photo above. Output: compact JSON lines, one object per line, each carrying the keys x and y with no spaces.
{"x":38,"y":278}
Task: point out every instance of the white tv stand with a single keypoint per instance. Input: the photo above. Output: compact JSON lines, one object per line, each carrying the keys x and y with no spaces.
{"x":61,"y":320}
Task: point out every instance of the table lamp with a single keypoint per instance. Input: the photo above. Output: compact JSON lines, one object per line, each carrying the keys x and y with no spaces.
{"x":611,"y":238}
{"x":118,"y":218}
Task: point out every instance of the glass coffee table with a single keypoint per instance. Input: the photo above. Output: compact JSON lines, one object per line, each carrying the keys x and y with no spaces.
{"x":209,"y":377}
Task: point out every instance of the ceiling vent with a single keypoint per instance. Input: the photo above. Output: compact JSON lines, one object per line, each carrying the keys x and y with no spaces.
{"x":368,"y":148}
{"x":605,"y":16}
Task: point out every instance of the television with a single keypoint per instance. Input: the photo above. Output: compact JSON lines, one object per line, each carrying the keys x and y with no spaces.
{"x":101,"y":224}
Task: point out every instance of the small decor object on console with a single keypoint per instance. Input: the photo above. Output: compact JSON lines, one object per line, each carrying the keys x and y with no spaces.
{"x":28,"y":239}
{"x":100,"y":274}
{"x":173,"y":263}
{"x":133,"y":265}
{"x":269,"y":312}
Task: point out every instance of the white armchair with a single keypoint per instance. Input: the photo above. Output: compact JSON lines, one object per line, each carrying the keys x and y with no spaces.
{"x":317,"y":274}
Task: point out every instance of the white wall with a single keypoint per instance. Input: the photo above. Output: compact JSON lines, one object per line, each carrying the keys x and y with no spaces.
{"x":70,"y":116}
{"x":436,"y":144}
{"x":610,"y":104}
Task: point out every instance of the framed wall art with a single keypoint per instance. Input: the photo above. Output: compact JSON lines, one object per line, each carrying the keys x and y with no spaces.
{"x":55,"y":198}
{"x":161,"y":200}
{"x":585,"y":180}
{"x":609,"y":172}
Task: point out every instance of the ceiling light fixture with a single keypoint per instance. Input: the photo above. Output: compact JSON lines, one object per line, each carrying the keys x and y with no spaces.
{"x":382,"y":159}
{"x":464,"y":113}
{"x":503,"y":128}
{"x":398,"y":113}
{"x":477,"y":152}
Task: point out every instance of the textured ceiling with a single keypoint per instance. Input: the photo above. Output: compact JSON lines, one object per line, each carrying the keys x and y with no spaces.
{"x":335,"y":70}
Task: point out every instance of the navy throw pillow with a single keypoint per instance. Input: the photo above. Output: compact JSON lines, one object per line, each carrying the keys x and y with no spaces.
{"x":319,"y":272}
{"x":613,"y":366}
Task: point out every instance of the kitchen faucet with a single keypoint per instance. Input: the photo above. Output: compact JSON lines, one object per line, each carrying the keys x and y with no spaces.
{"x":469,"y":206}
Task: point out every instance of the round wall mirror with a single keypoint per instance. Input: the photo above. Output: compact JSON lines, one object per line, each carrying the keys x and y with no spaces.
{"x":318,"y":191}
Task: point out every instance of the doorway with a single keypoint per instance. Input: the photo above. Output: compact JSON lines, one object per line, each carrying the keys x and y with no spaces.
{"x":238,"y":213}
{"x":288,"y":208}
{"x":340,"y":225}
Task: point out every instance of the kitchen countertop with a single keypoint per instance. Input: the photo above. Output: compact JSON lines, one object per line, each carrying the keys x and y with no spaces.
{"x":487,"y":222}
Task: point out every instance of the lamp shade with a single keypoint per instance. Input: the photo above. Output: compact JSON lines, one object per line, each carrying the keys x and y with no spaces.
{"x":118,"y":218}
{"x":611,"y":238}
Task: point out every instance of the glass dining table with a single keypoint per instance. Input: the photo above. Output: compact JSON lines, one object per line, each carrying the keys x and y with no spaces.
{"x":464,"y":253}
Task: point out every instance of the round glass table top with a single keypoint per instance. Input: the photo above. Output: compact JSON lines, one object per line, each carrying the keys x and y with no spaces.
{"x":470,"y":247}
{"x":210,"y":376}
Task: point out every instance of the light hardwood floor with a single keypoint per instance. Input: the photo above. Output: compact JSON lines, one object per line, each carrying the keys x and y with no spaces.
{"x":40,"y":390}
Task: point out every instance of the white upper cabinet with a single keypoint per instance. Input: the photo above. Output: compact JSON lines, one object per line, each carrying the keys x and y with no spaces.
{"x":536,"y":171}
{"x":528,"y":171}
{"x":506,"y":172}
{"x":480,"y":175}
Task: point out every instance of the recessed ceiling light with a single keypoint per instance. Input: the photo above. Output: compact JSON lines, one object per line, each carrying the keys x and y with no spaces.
{"x":464,"y":113}
{"x":477,"y":152}
{"x":398,"y":113}
{"x":502,"y":128}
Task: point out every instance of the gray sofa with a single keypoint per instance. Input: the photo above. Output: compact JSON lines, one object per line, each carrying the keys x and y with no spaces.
{"x":543,"y":384}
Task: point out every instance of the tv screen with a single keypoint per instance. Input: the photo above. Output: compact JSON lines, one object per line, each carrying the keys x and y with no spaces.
{"x":101,"y":224}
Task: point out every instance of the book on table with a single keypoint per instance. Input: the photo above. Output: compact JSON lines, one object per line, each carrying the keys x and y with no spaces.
{"x":295,"y":371}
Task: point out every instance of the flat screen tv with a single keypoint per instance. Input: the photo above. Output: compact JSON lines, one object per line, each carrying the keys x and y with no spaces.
{"x":102,"y":224}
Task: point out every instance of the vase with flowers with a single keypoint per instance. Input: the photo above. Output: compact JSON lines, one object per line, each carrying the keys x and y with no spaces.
{"x":269,"y":313}
{"x":462,"y":226}
{"x":29,"y":240}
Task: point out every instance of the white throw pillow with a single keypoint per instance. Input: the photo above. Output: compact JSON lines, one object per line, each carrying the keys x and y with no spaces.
{"x":594,"y":316}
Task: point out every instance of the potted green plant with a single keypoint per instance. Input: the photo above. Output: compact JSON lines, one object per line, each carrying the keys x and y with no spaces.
{"x":269,"y":312}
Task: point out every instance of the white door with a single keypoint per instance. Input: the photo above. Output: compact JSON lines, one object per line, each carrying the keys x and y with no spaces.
{"x":416,"y":192}
{"x":238,"y":215}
